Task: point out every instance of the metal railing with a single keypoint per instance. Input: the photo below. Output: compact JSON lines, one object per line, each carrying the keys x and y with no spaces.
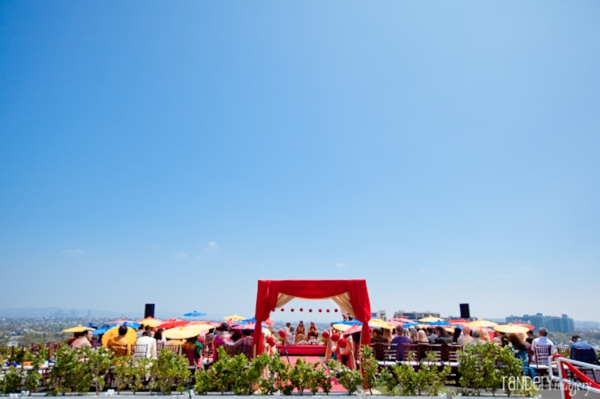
{"x":560,"y":364}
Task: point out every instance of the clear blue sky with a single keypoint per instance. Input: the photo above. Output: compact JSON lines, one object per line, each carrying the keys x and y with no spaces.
{"x":176,"y":152}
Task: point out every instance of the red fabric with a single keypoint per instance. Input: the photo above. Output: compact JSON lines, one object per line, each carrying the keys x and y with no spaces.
{"x":269,"y":290}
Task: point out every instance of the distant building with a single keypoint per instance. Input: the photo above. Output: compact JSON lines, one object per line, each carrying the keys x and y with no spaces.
{"x":415,"y":315}
{"x":379,"y":315}
{"x":563,"y":324}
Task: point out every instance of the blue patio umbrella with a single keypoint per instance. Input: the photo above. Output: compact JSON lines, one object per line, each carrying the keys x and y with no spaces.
{"x":195,"y":314}
{"x":349,"y":322}
{"x":102,"y":330}
{"x":409,"y":325}
{"x":90,"y":325}
{"x":250,"y":320}
{"x":440,"y":323}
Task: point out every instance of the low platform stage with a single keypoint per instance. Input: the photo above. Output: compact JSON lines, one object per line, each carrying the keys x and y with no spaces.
{"x":303,"y":350}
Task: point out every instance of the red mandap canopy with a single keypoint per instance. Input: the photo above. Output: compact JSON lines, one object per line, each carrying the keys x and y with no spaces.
{"x":351,"y":295}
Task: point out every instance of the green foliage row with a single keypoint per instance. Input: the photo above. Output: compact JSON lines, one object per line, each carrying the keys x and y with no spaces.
{"x":17,"y":377}
{"x":490,"y":368}
{"x":264,"y":374}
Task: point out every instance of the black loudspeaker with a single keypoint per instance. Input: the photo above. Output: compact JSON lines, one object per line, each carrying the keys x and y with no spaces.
{"x":149,"y":311}
{"x":464,"y":311}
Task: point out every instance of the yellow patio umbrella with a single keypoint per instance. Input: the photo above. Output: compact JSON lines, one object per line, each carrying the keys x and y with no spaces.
{"x":378,"y":323}
{"x":511,"y":328}
{"x":150,"y":322}
{"x":235,"y":317}
{"x":481,"y":323}
{"x":79,"y":328}
{"x":184,"y":332}
{"x":342,"y":327}
{"x":130,"y":336}
{"x":430,"y":319}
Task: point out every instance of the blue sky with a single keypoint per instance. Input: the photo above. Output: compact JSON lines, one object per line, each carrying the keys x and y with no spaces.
{"x":178,"y":152}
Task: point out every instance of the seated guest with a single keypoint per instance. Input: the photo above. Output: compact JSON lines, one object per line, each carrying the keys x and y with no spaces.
{"x":191,"y":345}
{"x":150,"y":343}
{"x":245,"y":340}
{"x":412,"y":336}
{"x":442,"y":336}
{"x":387,"y":334}
{"x":530,"y":337}
{"x":378,"y":336}
{"x":76,"y":335}
{"x":300,"y":330}
{"x":290,"y":339}
{"x":542,"y":340}
{"x":476,"y":334}
{"x":456,"y":336}
{"x":588,"y":355}
{"x":313,"y":331}
{"x":301,"y":339}
{"x":84,"y":341}
{"x":431,"y":335}
{"x":521,"y":349}
{"x":465,"y":337}
{"x":399,"y":340}
{"x":485,"y":335}
{"x":119,"y":344}
{"x":422,"y":337}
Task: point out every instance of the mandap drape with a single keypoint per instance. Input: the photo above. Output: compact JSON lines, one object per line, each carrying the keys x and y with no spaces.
{"x":269,"y":291}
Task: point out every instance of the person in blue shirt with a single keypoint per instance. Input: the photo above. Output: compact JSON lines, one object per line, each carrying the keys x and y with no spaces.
{"x":588,"y":356}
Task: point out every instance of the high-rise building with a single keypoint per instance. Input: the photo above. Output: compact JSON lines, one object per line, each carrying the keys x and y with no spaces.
{"x":563,"y":324}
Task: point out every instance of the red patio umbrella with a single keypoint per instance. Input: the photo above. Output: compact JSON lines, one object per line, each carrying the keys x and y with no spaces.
{"x":354,"y":329}
{"x":460,"y":322}
{"x":172,"y":323}
{"x":529,"y":326}
{"x":401,"y":320}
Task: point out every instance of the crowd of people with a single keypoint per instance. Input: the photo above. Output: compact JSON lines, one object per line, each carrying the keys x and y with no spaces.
{"x":339,"y":346}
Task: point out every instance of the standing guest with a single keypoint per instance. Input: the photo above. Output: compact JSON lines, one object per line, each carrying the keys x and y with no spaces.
{"x":300,"y":330}
{"x":442,"y":336}
{"x":139,"y":331}
{"x":221,"y":335}
{"x":578,"y":343}
{"x":465,"y":338}
{"x":150,"y":343}
{"x":399,"y":340}
{"x":84,"y":341}
{"x":412,"y":336}
{"x":119,"y":344}
{"x":457,"y":334}
{"x":501,"y":340}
